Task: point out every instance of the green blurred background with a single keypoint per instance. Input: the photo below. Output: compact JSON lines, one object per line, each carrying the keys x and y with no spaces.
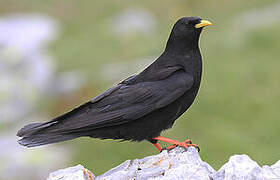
{"x":237,"y":109}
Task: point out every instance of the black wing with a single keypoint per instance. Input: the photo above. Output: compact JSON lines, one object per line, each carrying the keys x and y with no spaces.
{"x":126,"y":102}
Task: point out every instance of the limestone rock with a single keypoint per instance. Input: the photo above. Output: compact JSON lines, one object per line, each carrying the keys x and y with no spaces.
{"x":72,"y":173}
{"x":242,"y":167}
{"x":175,"y":164}
{"x":178,"y":163}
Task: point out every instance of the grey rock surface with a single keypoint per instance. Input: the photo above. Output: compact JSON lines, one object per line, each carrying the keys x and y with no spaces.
{"x":72,"y":173}
{"x":178,"y":163}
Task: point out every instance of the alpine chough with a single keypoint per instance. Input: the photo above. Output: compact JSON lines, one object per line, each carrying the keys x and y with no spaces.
{"x":141,"y":106}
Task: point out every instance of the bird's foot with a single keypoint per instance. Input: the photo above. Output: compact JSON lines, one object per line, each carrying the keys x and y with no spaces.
{"x":158,"y":147}
{"x":187,"y":143}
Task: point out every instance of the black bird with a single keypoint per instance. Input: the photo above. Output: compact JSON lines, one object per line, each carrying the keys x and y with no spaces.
{"x":140,"y":107}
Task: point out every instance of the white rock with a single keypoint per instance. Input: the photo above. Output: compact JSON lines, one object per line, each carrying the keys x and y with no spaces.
{"x":72,"y":173}
{"x":182,"y":164}
{"x":242,"y":167}
{"x":176,"y":164}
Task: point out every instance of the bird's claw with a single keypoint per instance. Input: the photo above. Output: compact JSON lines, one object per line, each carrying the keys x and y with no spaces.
{"x":187,"y":143}
{"x":197,"y":148}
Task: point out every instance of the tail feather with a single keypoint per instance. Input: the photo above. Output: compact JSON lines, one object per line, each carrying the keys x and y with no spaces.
{"x":37,"y":134}
{"x":33,"y":127}
{"x":43,"y":139}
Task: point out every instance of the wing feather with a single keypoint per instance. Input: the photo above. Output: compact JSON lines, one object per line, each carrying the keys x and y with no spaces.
{"x":126,"y":102}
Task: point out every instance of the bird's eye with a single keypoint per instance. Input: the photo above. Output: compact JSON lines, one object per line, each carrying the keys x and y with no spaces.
{"x":192,"y":23}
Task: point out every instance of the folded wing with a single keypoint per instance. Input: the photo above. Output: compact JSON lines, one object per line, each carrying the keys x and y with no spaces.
{"x":127,"y":102}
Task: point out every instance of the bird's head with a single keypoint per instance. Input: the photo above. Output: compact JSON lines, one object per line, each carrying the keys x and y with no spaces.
{"x":189,"y":26}
{"x":186,"y":32}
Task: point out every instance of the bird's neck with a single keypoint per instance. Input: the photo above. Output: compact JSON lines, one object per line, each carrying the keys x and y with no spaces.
{"x":182,"y":46}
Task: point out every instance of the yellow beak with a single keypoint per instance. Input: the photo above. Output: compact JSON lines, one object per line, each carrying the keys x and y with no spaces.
{"x":203,"y":23}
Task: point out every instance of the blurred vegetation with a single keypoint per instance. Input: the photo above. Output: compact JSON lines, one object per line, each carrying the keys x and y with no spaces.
{"x":236,"y":110}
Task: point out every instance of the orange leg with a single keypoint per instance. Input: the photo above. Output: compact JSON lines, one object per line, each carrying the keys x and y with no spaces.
{"x":157,"y":146}
{"x":187,"y":143}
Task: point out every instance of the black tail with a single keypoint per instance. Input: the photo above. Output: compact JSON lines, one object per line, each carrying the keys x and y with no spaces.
{"x":37,"y":134}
